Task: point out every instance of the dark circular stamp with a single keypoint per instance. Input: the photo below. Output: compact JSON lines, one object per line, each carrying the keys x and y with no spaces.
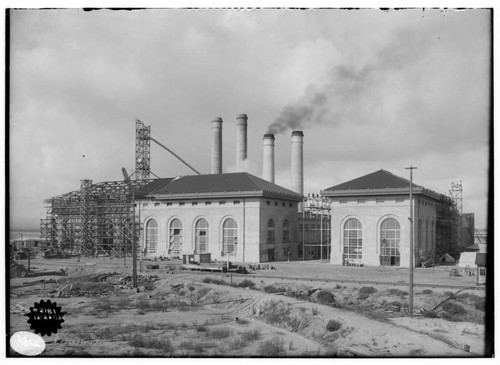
{"x":45,"y":317}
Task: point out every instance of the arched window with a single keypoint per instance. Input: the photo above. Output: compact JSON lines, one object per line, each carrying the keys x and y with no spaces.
{"x":229,"y":237}
{"x":271,"y":236}
{"x":286,"y":232}
{"x":175,"y":242}
{"x":201,"y":236}
{"x":390,"y":234}
{"x":151,"y":235}
{"x":353,"y":240}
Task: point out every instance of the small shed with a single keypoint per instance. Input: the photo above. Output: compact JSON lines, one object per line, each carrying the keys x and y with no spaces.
{"x":447,"y":259}
{"x":481,"y":267}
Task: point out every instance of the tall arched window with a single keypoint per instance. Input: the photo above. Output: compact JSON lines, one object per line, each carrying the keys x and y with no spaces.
{"x":175,"y":243}
{"x":286,"y":232}
{"x":353,"y":240}
{"x":151,"y":235}
{"x":229,"y":237}
{"x":271,"y":236}
{"x":201,"y":236}
{"x":390,"y":234}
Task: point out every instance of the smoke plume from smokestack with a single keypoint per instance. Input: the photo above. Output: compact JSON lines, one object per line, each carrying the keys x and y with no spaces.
{"x":350,"y":91}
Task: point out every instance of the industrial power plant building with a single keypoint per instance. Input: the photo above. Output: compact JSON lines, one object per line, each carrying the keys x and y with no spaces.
{"x":244,"y":218}
{"x":370,"y":221}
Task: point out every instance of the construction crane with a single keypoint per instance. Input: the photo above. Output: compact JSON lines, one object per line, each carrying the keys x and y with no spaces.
{"x":173,"y":153}
{"x":142,"y":151}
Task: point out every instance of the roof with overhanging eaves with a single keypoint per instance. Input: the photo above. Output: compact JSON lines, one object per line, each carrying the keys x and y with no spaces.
{"x":380,"y":182}
{"x":238,"y":184}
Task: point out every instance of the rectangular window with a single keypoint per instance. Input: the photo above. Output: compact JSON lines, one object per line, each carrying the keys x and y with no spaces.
{"x":194,"y":203}
{"x":181,"y":204}
{"x":268,"y":202}
{"x":208,"y":203}
{"x":343,"y":201}
{"x":157,"y":204}
{"x":145,"y":204}
{"x":236,"y":202}
{"x":380,"y":200}
{"x":284,"y":205}
{"x":169,"y":204}
{"x":222,"y":202}
{"x":275,"y":204}
{"x":361,"y":201}
{"x":291,"y":205}
{"x":400,"y":200}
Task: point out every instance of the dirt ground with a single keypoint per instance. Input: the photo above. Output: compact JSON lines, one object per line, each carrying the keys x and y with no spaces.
{"x":330,"y":311}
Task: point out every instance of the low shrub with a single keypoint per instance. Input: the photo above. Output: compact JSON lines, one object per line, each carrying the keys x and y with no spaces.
{"x":194,"y":347}
{"x":365,"y":291}
{"x":480,"y":306}
{"x":238,"y":343}
{"x":219,"y":333}
{"x":295,"y":323}
{"x":427,"y":291}
{"x":275,"y":311}
{"x":397,"y":292}
{"x":477,"y":301}
{"x":247,"y":284}
{"x":151,"y":343}
{"x":214,"y":281}
{"x":325,"y":297}
{"x":454,"y":308}
{"x":251,"y":335}
{"x":333,"y":325}
{"x":202,"y":292}
{"x":430,"y":314}
{"x":272,"y":348}
{"x":450,"y":317}
{"x":274,"y":289}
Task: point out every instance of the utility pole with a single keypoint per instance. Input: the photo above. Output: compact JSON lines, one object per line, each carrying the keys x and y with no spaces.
{"x":134,"y":245}
{"x":410,"y":304}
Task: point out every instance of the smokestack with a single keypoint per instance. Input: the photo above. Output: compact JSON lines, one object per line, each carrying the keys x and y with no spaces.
{"x":298,"y":163}
{"x":268,"y":157}
{"x":241,"y":141}
{"x":217,"y":145}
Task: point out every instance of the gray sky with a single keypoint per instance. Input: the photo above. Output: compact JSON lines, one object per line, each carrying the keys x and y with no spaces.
{"x":370,"y":89}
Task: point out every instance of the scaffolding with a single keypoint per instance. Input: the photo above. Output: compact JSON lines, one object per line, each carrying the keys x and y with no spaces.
{"x":98,"y":219}
{"x":457,"y":198}
{"x":315,"y":228}
{"x":95,"y":220}
{"x":142,"y":151}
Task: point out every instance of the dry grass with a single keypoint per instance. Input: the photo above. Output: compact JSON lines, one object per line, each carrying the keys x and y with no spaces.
{"x":162,"y":344}
{"x":219,"y":333}
{"x":251,"y":335}
{"x":272,"y":348}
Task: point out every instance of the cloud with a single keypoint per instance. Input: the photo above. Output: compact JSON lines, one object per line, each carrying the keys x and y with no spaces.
{"x":370,"y":90}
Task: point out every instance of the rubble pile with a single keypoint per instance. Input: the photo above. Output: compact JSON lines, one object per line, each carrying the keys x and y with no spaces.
{"x":102,"y":284}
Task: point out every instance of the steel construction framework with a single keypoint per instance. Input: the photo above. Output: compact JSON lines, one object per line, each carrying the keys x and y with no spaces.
{"x":95,"y":220}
